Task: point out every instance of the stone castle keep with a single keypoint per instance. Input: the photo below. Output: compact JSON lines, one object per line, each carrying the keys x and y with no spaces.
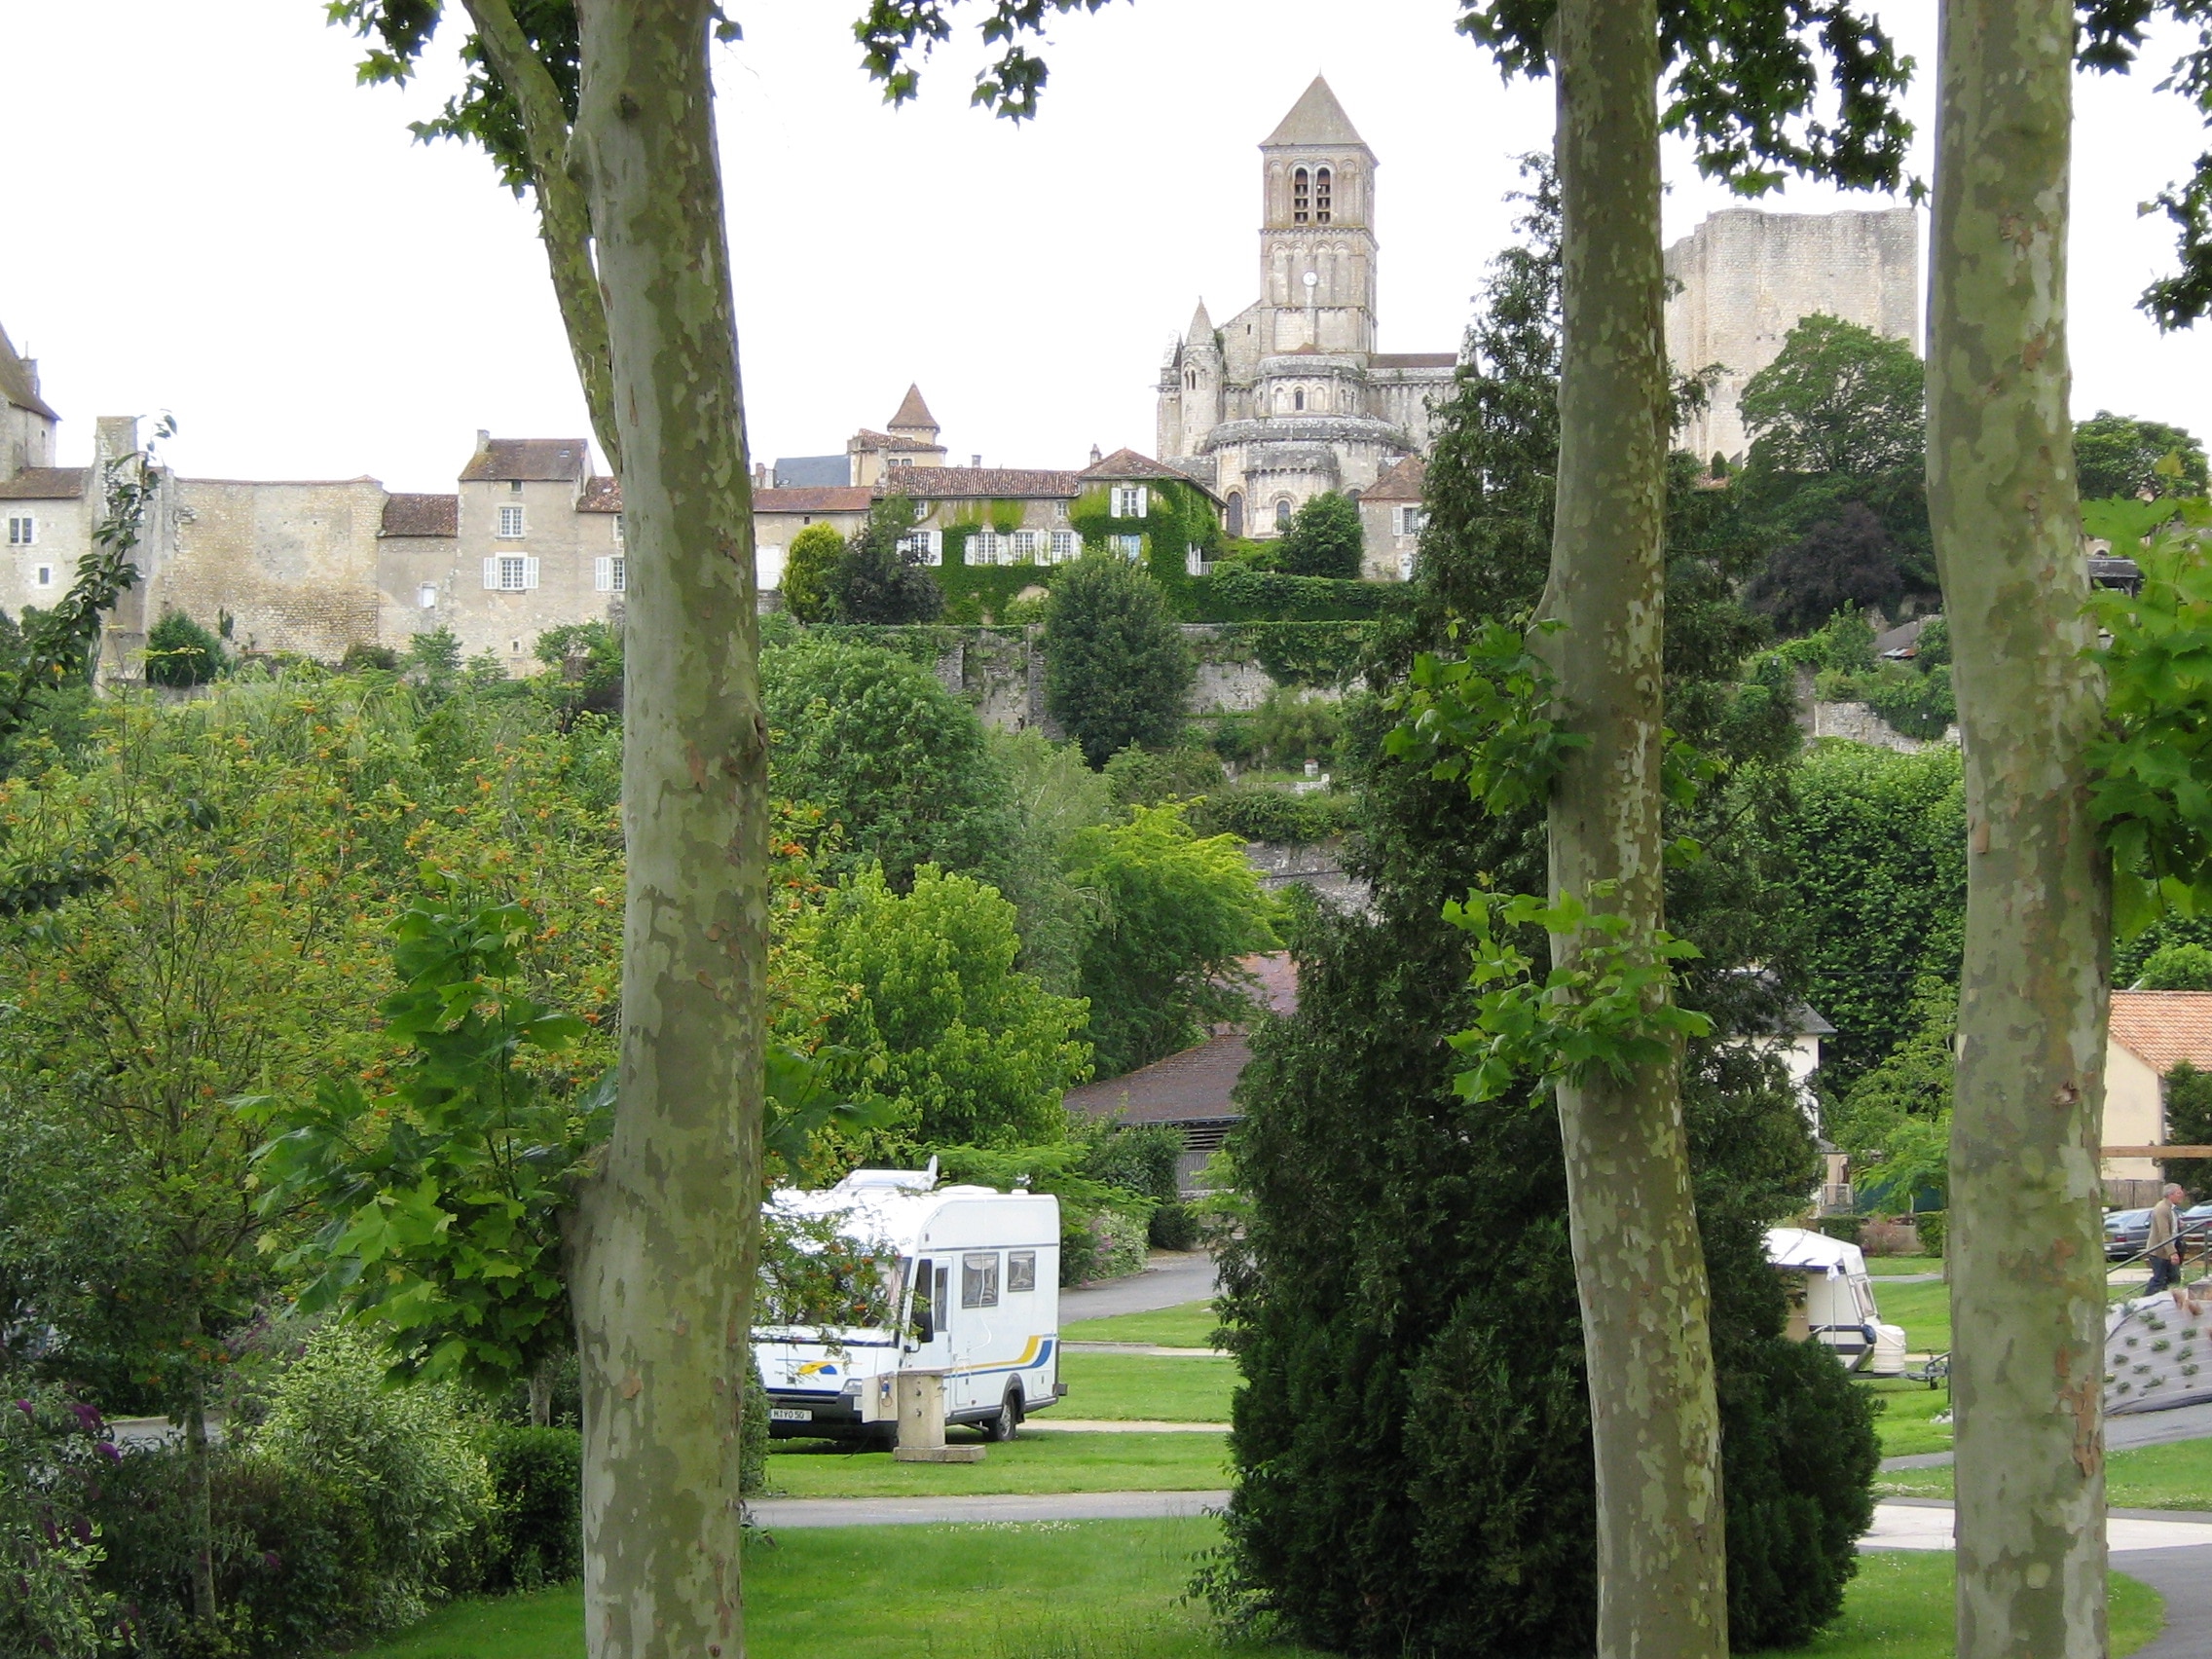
{"x":1285,"y":400}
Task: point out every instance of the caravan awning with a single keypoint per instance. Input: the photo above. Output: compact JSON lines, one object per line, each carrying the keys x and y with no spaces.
{"x":1813,"y":1252}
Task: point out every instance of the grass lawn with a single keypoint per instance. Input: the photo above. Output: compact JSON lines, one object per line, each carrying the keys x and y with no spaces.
{"x":1034,"y":1462}
{"x":1188,"y":1327}
{"x":1881,"y":1266}
{"x":1133,"y":1386}
{"x":1905,"y":1420}
{"x":2152,"y":1477}
{"x":1923,"y":1309}
{"x":1087,"y":1590}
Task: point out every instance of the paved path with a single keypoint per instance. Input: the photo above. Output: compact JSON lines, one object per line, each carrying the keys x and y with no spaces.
{"x":1169,"y":1279}
{"x":1925,"y":1524}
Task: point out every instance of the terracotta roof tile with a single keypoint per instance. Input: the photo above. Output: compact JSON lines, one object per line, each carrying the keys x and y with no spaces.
{"x":421,"y":515}
{"x":865,"y":440}
{"x":531,"y":460}
{"x":1413,"y":361}
{"x":600,"y":496}
{"x":913,"y":414}
{"x":1404,"y":482}
{"x":2164,"y":1028}
{"x":977,"y":483}
{"x":45,"y":484}
{"x":815,"y":499}
{"x":1129,"y":464}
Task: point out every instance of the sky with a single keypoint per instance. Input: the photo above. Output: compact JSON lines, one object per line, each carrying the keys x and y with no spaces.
{"x":204,"y":214}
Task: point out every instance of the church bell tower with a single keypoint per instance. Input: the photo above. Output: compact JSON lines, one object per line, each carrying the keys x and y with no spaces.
{"x":1318,"y":229}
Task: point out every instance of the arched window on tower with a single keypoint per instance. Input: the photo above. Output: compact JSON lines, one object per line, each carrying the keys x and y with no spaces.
{"x":1301,"y":196}
{"x":1235,"y":513}
{"x":1282,"y":515}
{"x":1322,"y":191}
{"x":1298,"y":400}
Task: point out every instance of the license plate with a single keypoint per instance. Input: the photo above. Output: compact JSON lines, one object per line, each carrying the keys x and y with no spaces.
{"x":789,"y":1414}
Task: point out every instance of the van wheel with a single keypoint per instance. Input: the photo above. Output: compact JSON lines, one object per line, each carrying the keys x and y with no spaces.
{"x":1008,"y":1424}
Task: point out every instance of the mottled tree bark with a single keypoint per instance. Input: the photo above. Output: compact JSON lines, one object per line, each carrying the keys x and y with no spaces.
{"x":1661,"y":1570}
{"x":663,"y":1240}
{"x":564,"y":216}
{"x":2027,"y":1264}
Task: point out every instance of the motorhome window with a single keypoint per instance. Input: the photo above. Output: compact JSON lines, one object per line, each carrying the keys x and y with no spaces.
{"x":1021,"y":1270}
{"x":925,"y":1326}
{"x":980,"y":1279}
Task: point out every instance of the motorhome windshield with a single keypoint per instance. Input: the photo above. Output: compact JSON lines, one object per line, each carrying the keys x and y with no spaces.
{"x":816,"y":1274}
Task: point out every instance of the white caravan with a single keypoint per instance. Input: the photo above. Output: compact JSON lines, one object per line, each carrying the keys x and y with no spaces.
{"x":972,"y":1277}
{"x":1832,"y":1299}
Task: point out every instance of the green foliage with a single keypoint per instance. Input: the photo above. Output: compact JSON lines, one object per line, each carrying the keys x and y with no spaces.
{"x":2179,"y":967}
{"x":2115,"y":456}
{"x":1152,"y":777}
{"x":1482,"y":717}
{"x":2188,"y":1122}
{"x":1055,"y":794}
{"x":1277,"y":595}
{"x":1934,"y":1227}
{"x":1324,"y":539}
{"x":1838,"y":398}
{"x":1894,"y":1119}
{"x":585,"y":663}
{"x":1303,"y":653}
{"x":971,"y":1049}
{"x":536,"y":1526}
{"x":874,"y":582}
{"x":1117,"y":670}
{"x":443,"y":1191}
{"x":50,"y":1547}
{"x":890,"y":755}
{"x":1178,"y":912}
{"x":1278,"y":818}
{"x":179,"y":651}
{"x":1289,"y":729}
{"x":1141,"y":1158}
{"x":809,"y":562}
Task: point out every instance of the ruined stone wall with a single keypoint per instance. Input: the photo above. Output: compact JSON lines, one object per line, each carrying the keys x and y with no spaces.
{"x":292,"y":565}
{"x":1747,"y":278}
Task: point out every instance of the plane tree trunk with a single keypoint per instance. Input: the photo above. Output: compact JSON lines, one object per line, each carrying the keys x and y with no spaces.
{"x":2026,"y":1258}
{"x":1661,"y":1570}
{"x":663,"y":1241}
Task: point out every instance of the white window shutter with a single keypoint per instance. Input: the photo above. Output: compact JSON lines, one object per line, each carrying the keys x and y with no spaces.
{"x":603,"y":575}
{"x":529,"y":573}
{"x":934,"y":552}
{"x":1140,"y":493}
{"x":492,"y":573}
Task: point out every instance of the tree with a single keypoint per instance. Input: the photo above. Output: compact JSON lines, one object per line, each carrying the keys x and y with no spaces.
{"x":809,"y":566}
{"x":1178,"y":914}
{"x":971,"y":1050}
{"x":2188,"y":1122}
{"x":1847,"y":563}
{"x":1739,"y":76}
{"x":179,"y":651}
{"x":2115,"y":456}
{"x":1117,"y":671}
{"x":1324,"y":539}
{"x":881,"y":577}
{"x":2031,"y":698}
{"x":2182,"y":967}
{"x":891,"y":758}
{"x":1838,"y":399}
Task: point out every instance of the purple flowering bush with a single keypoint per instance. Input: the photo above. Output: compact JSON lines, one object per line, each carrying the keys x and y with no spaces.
{"x":54,"y":1452}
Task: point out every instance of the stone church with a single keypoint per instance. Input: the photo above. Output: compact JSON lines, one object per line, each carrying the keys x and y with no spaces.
{"x":1290,"y":397}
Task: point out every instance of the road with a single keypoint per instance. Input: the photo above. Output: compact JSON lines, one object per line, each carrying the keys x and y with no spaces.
{"x":1169,"y":1279}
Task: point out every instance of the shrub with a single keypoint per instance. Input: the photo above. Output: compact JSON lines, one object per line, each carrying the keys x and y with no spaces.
{"x":1147,"y":777}
{"x":1174,"y":1227}
{"x":1324,"y":539}
{"x":1276,"y":816}
{"x":50,"y":1601}
{"x":1292,"y":728}
{"x":874,"y":582}
{"x":534,"y":1530}
{"x":2179,"y":967}
{"x":1119,"y":1242}
{"x":179,"y":651}
{"x":1139,"y":1159}
{"x":1933,"y":1227}
{"x":809,"y":563}
{"x":1846,"y":1227}
{"x":753,"y":1434}
{"x":1117,"y":671}
{"x":360,"y":655}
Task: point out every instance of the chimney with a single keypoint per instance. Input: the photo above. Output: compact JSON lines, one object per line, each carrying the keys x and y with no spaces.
{"x":976,"y":461}
{"x":483,"y":440}
{"x":760,"y":475}
{"x":1096,"y":457}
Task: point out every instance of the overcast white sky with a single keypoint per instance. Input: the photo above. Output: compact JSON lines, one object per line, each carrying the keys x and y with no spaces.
{"x":203,"y":213}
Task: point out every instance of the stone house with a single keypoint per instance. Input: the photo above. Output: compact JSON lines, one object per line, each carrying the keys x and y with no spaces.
{"x":1390,"y":519}
{"x":2152,"y":1032}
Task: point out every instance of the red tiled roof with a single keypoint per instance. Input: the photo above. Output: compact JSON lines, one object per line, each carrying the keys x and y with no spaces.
{"x":1190,"y":1087}
{"x":1413,"y":361}
{"x":815,"y":499}
{"x":1404,"y":482}
{"x":977,"y":483}
{"x":421,"y":515}
{"x":45,"y":484}
{"x":531,"y":460}
{"x":913,"y":414}
{"x":600,"y":496}
{"x":865,"y":440}
{"x":2164,"y":1028}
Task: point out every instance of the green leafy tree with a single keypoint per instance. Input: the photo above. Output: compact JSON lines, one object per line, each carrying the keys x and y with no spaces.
{"x":1292,"y":727}
{"x":1324,"y":539}
{"x":971,"y":1050}
{"x":1152,"y":777}
{"x":877,"y":580}
{"x":2188,"y":1122}
{"x":810,"y":565}
{"x":897,"y":762}
{"x":179,"y":651}
{"x":2116,"y":456}
{"x":1839,"y":399}
{"x":1178,"y":913}
{"x":2179,"y":967}
{"x":1117,"y":671}
{"x":1055,"y":795}
{"x":1896,"y":1115}
{"x":584,"y":663}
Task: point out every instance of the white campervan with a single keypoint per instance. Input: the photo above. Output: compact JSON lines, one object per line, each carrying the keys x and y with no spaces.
{"x":1832,"y":1301}
{"x":972,"y":1277}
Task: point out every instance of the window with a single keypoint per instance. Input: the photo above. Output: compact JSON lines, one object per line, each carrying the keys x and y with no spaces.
{"x":427,"y":596}
{"x":42,"y":576}
{"x":1130,"y":547}
{"x":1060,"y":512}
{"x":927,"y":545}
{"x":899,"y":461}
{"x":1298,"y":400}
{"x":1405,"y":566}
{"x":980,"y":1279}
{"x":514,"y":486}
{"x":510,"y":572}
{"x":609,"y":574}
{"x":510,"y":524}
{"x":1063,"y":545}
{"x":22,"y":530}
{"x":1235,"y":513}
{"x":1128,"y":501}
{"x":1282,"y":514}
{"x":1411,"y":520}
{"x":1021,"y":1270}
{"x":620,"y":539}
{"x":1321,"y":193}
{"x":983,"y":547}
{"x":1301,"y":196}
{"x":921,"y":1315}
{"x":1024,"y":546}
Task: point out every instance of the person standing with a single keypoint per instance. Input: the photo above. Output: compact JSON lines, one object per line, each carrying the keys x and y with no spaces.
{"x":2163,"y":1247}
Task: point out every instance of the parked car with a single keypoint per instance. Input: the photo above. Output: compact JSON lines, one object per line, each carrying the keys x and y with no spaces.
{"x":2126,"y":1231}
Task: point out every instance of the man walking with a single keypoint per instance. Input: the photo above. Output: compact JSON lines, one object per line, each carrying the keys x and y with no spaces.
{"x":2163,"y":1247}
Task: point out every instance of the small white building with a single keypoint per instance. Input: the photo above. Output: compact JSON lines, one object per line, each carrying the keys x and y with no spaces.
{"x":2151,"y":1033}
